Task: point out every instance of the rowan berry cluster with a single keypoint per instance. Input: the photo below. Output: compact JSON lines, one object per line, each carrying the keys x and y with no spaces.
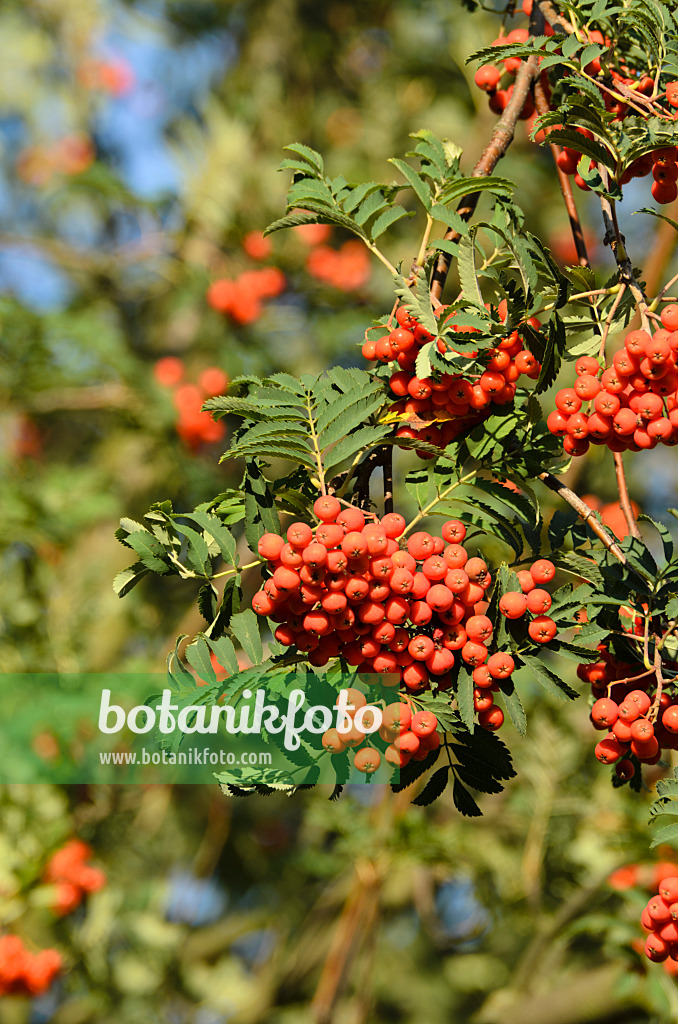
{"x":639,"y":723}
{"x":38,"y":165}
{"x":443,"y":406}
{"x":242,"y":298}
{"x":631,"y":405}
{"x":346,"y":268}
{"x":532,"y":598}
{"x":25,"y":973}
{"x":662,"y":164}
{"x":406,"y":733}
{"x":72,"y":877}
{"x":194,"y":426}
{"x":348,"y":589}
{"x":660,"y":920}
{"x":495,"y":80}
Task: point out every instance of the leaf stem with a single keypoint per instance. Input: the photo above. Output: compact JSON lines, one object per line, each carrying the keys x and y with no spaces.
{"x":380,"y":256}
{"x":421,"y":258}
{"x":236,"y":569}
{"x":436,"y":501}
{"x":662,"y":293}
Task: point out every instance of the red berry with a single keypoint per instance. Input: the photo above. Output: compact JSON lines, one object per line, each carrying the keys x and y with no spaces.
{"x":474,"y":653}
{"x":587,"y":386}
{"x":542,"y":629}
{"x":479,"y":627}
{"x":439,"y":598}
{"x":453,"y":531}
{"x":656,"y":949}
{"x":624,"y":770}
{"x":641,"y":698}
{"x":420,"y":545}
{"x":538,"y":601}
{"x":354,"y":545}
{"x":568,"y":401}
{"x":351,"y":519}
{"x":500,"y":665}
{"x":407,"y":742}
{"x":315,"y":555}
{"x":609,"y":750}
{"x":492,"y":718}
{"x":488,"y":78}
{"x":367,"y":760}
{"x":393,"y":524}
{"x":424,"y":723}
{"x":270,"y":546}
{"x":327,"y":508}
{"x":669,"y":317}
{"x":262,"y":603}
{"x":668,"y":889}
{"x":526,"y":581}
{"x":605,"y":712}
{"x":299,"y":535}
{"x":513,"y":605}
{"x":542,"y":571}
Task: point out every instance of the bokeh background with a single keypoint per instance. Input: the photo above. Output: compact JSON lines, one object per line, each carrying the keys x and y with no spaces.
{"x":139,"y":147}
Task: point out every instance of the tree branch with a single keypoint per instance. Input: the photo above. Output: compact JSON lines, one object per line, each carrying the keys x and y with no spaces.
{"x":585,"y":512}
{"x":501,"y":139}
{"x":616,"y":241}
{"x":624,"y":499}
{"x":554,"y":19}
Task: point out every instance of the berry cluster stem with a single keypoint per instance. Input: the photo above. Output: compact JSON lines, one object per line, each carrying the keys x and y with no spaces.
{"x":436,"y":501}
{"x":610,"y":318}
{"x":654,"y":710}
{"x":624,"y":499}
{"x":542,"y":107}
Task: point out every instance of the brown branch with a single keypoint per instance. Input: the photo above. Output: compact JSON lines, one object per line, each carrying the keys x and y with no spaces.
{"x":629,"y":679}
{"x":378,"y":457}
{"x":387,"y":467}
{"x":616,"y":241}
{"x":502,"y":136}
{"x":542,"y":107}
{"x":624,"y":499}
{"x":357,"y":918}
{"x":654,"y":710}
{"x":585,"y":512}
{"x":363,"y":473}
{"x":554,"y":19}
{"x":608,"y":322}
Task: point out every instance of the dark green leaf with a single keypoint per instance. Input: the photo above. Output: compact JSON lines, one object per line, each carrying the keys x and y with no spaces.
{"x":464,"y":802}
{"x":434,"y":788}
